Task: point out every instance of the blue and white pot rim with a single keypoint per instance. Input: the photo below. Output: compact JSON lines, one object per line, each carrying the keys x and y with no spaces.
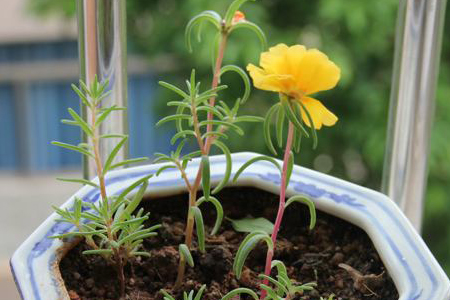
{"x":414,"y":270}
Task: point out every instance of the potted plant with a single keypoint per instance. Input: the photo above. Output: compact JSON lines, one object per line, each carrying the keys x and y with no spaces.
{"x":106,"y":220}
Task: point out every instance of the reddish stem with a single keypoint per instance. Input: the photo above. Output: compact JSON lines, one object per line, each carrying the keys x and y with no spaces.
{"x":215,"y":83}
{"x":281,"y":206}
{"x":205,"y":148}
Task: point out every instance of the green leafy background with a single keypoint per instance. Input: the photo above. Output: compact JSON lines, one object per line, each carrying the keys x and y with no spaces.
{"x":357,"y":35}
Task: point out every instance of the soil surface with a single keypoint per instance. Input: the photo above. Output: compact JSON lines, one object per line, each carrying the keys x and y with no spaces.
{"x":337,"y":255}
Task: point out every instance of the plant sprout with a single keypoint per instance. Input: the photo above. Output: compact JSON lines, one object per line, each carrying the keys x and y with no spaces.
{"x":111,"y":229}
{"x":229,"y":296}
{"x":294,"y":73}
{"x":284,"y":287}
{"x":200,"y":117}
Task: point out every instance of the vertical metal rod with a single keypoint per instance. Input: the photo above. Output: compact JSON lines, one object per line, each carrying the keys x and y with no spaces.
{"x":416,"y":64}
{"x":102,"y":52}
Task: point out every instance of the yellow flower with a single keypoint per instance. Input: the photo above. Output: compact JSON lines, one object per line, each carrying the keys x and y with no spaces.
{"x":297,"y":72}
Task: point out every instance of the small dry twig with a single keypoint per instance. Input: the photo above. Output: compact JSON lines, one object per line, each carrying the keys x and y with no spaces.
{"x":363,"y":283}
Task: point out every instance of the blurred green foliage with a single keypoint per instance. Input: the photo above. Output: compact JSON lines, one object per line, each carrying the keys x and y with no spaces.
{"x":357,"y":35}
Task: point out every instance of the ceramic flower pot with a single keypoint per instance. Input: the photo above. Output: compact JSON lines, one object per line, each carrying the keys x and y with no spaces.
{"x":411,"y":265}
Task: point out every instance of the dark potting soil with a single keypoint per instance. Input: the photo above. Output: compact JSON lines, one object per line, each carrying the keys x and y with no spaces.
{"x":337,"y":255}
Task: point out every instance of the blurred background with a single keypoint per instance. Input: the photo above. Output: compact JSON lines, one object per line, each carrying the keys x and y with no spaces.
{"x":39,"y":61}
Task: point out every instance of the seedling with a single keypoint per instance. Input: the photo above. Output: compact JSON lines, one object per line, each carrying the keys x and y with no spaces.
{"x":111,"y":229}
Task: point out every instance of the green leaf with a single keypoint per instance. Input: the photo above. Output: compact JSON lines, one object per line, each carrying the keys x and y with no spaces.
{"x":270,"y":292}
{"x":292,"y":118}
{"x":192,"y":155}
{"x":311,"y":123}
{"x":234,"y":6}
{"x":225,"y":124}
{"x":77,"y":208}
{"x":70,"y":122}
{"x":215,"y":134}
{"x":252,"y":224}
{"x":219,"y":212}
{"x":173,"y":118}
{"x":209,"y":16}
{"x":210,"y":109}
{"x":297,"y":141}
{"x":140,"y":253}
{"x":279,"y":131}
{"x":137,"y":183}
{"x":229,"y":164}
{"x":253,"y":27}
{"x":113,"y":154}
{"x":179,"y":103}
{"x":98,"y":251}
{"x":140,"y":235}
{"x":161,"y":157}
{"x":290,"y":167}
{"x":106,"y":113}
{"x":128,"y":162}
{"x":174,"y":89}
{"x":239,"y":291}
{"x":81,"y":181}
{"x":167,"y":296}
{"x":85,"y":126}
{"x":186,"y":254}
{"x":80,"y":94}
{"x":131,"y":221}
{"x":179,"y":121}
{"x":281,"y":268}
{"x":177,"y":153}
{"x":247,"y":245}
{"x":163,"y":168}
{"x":107,"y":136}
{"x":249,"y":119}
{"x":209,"y":93}
{"x":277,"y":284}
{"x":199,"y":226}
{"x":136,"y":200}
{"x":244,"y":77}
{"x":253,"y":160}
{"x":309,"y":203}
{"x":206,"y":176}
{"x":73,"y":148}
{"x":200,"y":292}
{"x":267,"y":123}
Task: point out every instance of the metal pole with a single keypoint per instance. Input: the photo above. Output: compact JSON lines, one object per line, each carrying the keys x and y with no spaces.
{"x":416,"y":64}
{"x":102,"y":52}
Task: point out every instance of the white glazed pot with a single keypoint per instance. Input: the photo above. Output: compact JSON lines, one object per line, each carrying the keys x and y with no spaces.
{"x":414,"y":270}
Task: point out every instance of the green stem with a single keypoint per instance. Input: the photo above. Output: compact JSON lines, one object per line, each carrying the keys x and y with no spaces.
{"x":101,"y":177}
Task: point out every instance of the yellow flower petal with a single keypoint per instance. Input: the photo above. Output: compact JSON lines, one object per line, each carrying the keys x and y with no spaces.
{"x":315,"y":72}
{"x":319,"y":113}
{"x":268,"y":81}
{"x":296,"y":72}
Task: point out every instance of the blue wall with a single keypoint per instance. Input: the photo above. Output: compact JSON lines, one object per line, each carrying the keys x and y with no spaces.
{"x":8,"y":146}
{"x":30,"y":118}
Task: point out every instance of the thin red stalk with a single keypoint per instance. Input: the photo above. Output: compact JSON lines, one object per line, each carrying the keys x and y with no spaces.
{"x":215,"y":83}
{"x":281,"y":206}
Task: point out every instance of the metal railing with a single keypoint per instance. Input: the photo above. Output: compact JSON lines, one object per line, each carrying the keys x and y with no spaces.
{"x":103,"y":52}
{"x":416,"y":65}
